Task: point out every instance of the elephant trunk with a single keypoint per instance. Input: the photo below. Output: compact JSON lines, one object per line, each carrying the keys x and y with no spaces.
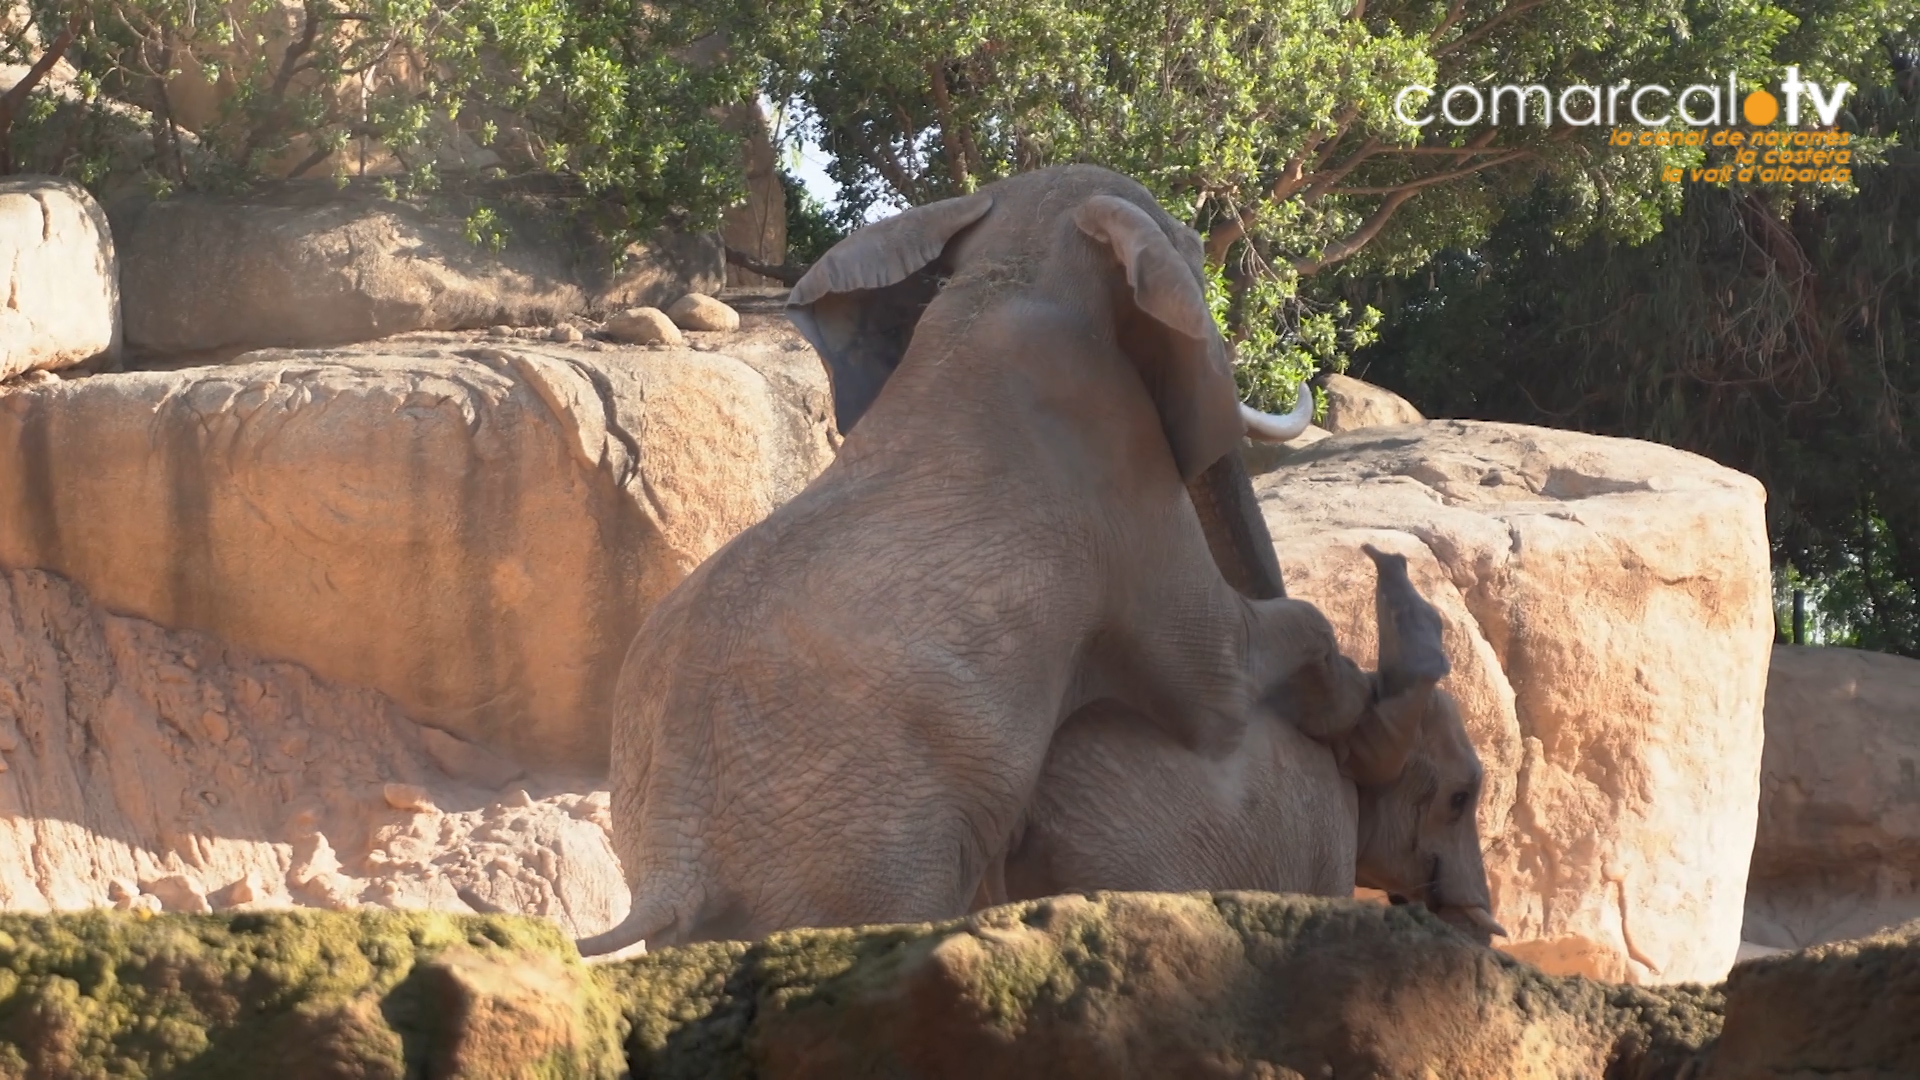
{"x":1461,"y":889}
{"x":1268,"y":428}
{"x":1236,"y":533}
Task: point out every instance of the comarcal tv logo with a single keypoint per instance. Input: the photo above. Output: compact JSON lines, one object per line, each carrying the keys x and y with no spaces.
{"x":1766,"y":155}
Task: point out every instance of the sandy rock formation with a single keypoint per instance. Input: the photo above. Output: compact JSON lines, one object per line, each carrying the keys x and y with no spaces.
{"x":62,"y":281}
{"x":304,"y":266}
{"x":1352,"y":404}
{"x":757,"y":228}
{"x":644,"y":326}
{"x":1838,"y":849}
{"x":473,"y":529}
{"x":1608,"y":617}
{"x":142,"y":768}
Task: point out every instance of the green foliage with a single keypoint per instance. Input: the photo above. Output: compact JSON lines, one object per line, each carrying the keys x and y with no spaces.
{"x":1775,"y":331}
{"x":483,"y":229}
{"x":811,"y":228}
{"x":114,"y":994}
{"x":1266,"y":124}
{"x":1285,"y":340}
{"x":608,"y":105}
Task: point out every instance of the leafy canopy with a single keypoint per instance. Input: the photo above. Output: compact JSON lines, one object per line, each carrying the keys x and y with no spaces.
{"x":1267,"y":124}
{"x":1774,"y":330}
{"x":608,"y":104}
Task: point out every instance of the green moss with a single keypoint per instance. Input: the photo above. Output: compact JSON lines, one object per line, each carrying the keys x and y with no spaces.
{"x":388,"y":996}
{"x":109,"y":994}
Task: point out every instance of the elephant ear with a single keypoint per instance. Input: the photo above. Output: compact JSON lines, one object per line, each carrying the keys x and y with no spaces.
{"x":1168,"y":333}
{"x":1412,"y":663}
{"x":859,"y":304}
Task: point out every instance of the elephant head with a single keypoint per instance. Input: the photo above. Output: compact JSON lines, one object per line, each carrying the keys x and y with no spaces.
{"x":859,"y":307}
{"x":1419,"y":778}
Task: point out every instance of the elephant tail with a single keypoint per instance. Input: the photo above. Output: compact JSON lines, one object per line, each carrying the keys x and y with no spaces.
{"x":651,"y":916}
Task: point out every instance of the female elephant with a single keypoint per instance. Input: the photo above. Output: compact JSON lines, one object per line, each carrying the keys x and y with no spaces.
{"x":839,"y":716}
{"x":1122,"y":807}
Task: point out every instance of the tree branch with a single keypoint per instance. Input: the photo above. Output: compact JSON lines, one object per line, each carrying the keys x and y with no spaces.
{"x":1505,"y":14}
{"x":1455,"y":10}
{"x":1226,"y":233}
{"x":307,"y":163}
{"x":277,"y":93}
{"x":1324,"y":179}
{"x":1358,"y":239}
{"x":16,"y":96}
{"x":786,"y":273}
{"x":949,"y":137}
{"x":887,"y":166}
{"x":1435,"y":178}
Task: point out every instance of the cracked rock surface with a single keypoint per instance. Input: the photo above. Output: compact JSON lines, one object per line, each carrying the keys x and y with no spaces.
{"x":1608,"y":617}
{"x":152,"y":770}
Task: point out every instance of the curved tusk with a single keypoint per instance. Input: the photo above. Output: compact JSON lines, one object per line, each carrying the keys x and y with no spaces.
{"x":1268,"y":428}
{"x":1483,"y":919}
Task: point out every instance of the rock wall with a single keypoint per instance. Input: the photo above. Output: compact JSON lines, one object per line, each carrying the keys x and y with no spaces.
{"x":148,"y":769}
{"x":473,"y":530}
{"x":758,"y":227}
{"x":304,"y":266}
{"x":1608,"y":616}
{"x":1838,"y":849}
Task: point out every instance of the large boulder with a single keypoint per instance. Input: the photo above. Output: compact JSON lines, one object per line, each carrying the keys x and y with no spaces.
{"x":474,"y":530}
{"x":304,"y":266}
{"x":1352,"y":405}
{"x":1838,"y":850}
{"x":63,"y":285}
{"x":1608,"y":617}
{"x":154,"y":770}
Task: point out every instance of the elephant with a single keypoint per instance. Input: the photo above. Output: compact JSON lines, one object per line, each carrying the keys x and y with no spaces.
{"x":838,"y":717}
{"x":1122,"y":807}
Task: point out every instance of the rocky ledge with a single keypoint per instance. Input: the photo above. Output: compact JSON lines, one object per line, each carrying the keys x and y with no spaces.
{"x":1112,"y":985}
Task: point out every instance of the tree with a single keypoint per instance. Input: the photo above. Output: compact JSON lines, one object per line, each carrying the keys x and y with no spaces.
{"x":1776,"y":331}
{"x":1268,"y":124}
{"x":604,"y":105}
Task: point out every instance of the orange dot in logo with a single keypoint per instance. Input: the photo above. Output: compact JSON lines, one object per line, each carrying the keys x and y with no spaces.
{"x":1760,"y":108}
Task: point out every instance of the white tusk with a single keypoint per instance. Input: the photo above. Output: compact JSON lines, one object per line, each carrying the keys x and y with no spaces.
{"x":1268,"y":428}
{"x":1483,"y":919}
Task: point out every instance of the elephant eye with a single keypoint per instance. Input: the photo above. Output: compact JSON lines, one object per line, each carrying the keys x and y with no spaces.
{"x":1459,"y":801}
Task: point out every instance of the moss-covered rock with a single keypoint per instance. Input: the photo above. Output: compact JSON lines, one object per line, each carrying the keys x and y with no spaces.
{"x":1240,"y":985}
{"x":296,"y":994}
{"x":1227,"y":985}
{"x":1850,"y":1009}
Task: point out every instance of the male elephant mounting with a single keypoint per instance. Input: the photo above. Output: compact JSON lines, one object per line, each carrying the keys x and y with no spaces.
{"x":838,"y":718}
{"x":1122,"y":807}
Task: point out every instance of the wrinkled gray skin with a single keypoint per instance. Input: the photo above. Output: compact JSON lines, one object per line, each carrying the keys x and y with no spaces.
{"x":839,"y":717}
{"x":1122,"y":807}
